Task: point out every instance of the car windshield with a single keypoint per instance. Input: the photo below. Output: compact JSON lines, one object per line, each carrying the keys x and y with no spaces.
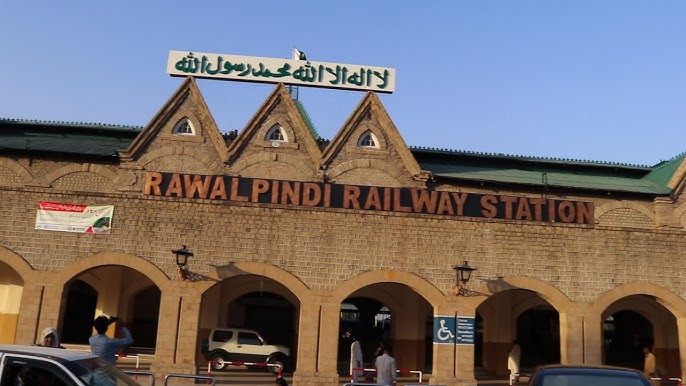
{"x":97,"y":372}
{"x":590,"y":380}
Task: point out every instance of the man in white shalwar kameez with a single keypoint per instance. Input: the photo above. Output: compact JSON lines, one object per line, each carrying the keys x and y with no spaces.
{"x":513,"y":361}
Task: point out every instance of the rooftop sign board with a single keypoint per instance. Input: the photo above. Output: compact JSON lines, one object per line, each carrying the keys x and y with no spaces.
{"x":288,"y":71}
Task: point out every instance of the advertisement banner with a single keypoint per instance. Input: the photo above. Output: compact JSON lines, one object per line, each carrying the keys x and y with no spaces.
{"x":54,"y":216}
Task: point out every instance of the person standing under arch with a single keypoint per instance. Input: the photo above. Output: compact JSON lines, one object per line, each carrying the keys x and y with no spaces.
{"x":513,"y":359}
{"x":649,"y":364}
{"x":356,"y":362}
{"x":386,"y":370}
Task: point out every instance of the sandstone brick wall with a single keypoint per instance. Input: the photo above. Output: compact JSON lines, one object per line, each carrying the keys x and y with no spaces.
{"x":326,"y":247}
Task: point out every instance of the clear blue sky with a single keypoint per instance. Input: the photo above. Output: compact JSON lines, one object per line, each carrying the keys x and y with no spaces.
{"x":601,"y":80}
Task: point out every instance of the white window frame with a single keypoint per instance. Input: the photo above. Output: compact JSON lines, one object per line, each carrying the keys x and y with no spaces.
{"x":368,"y":135}
{"x":184,"y":127}
{"x":273,"y":131}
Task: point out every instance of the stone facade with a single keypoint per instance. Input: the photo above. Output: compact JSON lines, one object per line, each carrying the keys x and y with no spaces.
{"x":316,"y":257}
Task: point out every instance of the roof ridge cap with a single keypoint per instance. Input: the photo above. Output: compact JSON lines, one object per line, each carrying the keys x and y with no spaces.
{"x":536,"y":158}
{"x":72,"y":123}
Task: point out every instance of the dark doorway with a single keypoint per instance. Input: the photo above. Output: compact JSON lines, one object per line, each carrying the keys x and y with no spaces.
{"x":79,"y":312}
{"x":538,"y":332}
{"x":269,"y":313}
{"x":146,"y":310}
{"x":625,"y":334}
{"x":478,"y":340}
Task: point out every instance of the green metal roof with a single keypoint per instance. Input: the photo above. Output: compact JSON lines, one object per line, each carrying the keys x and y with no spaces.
{"x":546,"y":172}
{"x":663,"y":172}
{"x":545,"y":178}
{"x":306,"y":117}
{"x":76,"y":138}
{"x":102,"y":140}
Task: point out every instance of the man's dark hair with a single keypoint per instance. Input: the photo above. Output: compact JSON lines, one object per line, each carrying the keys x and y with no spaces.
{"x":101,"y":323}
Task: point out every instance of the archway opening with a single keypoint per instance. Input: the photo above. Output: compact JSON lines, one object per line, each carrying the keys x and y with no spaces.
{"x":639,"y":320}
{"x":391,"y":313}
{"x":624,"y":335}
{"x":251,"y":302}
{"x":11,"y":289}
{"x":515,"y":314}
{"x":111,"y":290}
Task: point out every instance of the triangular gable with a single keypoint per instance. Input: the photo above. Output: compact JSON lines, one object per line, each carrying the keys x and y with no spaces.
{"x":187,"y":101}
{"x":290,"y":118}
{"x":370,"y":109}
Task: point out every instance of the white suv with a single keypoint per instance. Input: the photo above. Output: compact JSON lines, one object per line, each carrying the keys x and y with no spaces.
{"x":228,"y":344}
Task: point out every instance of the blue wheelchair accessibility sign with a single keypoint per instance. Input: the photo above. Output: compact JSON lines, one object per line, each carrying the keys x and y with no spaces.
{"x":444,"y":329}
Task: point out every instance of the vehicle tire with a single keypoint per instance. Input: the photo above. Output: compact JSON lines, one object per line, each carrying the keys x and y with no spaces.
{"x":277,"y":360}
{"x":217,"y":360}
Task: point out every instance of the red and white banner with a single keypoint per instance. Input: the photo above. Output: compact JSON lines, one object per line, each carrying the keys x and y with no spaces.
{"x":54,"y":216}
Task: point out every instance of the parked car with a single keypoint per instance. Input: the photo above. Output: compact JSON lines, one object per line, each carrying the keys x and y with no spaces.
{"x":569,"y":375}
{"x":230,"y":344}
{"x":36,"y":366}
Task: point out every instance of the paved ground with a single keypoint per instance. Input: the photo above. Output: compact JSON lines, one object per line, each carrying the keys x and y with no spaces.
{"x":244,"y":377}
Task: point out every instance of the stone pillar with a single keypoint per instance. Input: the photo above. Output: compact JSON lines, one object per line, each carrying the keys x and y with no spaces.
{"x":188,"y":342}
{"x":453,"y":364}
{"x":177,"y":331}
{"x":572,"y":332}
{"x":593,"y":339}
{"x":327,"y":369}
{"x":29,"y":310}
{"x":308,"y":372}
{"x":53,"y":299}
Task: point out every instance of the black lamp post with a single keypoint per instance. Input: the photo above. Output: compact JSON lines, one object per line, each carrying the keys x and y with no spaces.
{"x":462,"y":274}
{"x":182,"y":256}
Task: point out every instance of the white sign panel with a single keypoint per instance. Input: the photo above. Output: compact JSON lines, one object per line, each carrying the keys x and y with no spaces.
{"x":288,"y":71}
{"x":54,"y":216}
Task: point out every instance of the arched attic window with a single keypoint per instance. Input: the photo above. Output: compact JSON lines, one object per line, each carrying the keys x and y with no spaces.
{"x":368,"y":139}
{"x":276,"y":134}
{"x":184,"y":127}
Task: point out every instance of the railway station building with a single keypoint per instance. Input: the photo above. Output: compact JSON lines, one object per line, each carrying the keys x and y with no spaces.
{"x":301,"y":238}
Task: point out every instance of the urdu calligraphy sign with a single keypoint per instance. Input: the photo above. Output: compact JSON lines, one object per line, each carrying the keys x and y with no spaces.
{"x":274,"y":70}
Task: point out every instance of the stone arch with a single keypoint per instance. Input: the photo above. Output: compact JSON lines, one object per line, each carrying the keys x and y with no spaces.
{"x":300,"y":166}
{"x":190,"y":151}
{"x":642,"y":208}
{"x":671,"y":301}
{"x":366,"y":163}
{"x":21,"y":171}
{"x":297,"y":287}
{"x":115,"y":258}
{"x":76,"y":168}
{"x":17,"y":263}
{"x":134,"y":288}
{"x":427,"y":290}
{"x":526,"y":305}
{"x":548,"y":292}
